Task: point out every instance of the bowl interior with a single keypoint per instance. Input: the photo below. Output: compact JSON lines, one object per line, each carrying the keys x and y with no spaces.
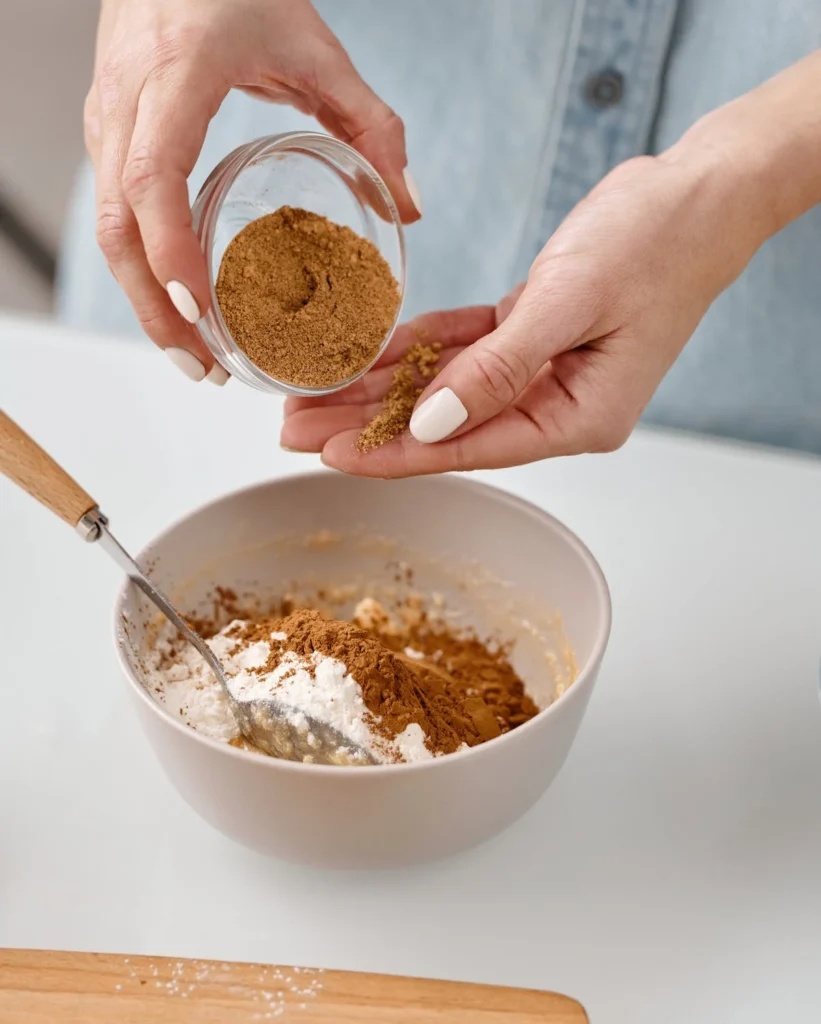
{"x":511,"y":570}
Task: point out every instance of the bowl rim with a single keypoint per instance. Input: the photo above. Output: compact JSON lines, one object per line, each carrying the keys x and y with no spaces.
{"x":574,"y":692}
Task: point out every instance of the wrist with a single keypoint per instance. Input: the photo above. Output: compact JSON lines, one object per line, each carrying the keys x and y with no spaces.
{"x":730,"y":188}
{"x":761,"y":153}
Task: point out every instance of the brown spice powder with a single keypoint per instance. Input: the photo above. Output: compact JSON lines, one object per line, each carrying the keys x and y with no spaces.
{"x":452,"y":704}
{"x":308,"y":301}
{"x":476,"y":670}
{"x":398,"y":404}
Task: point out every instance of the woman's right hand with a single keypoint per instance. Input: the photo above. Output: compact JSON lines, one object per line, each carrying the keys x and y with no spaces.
{"x":162,"y":69}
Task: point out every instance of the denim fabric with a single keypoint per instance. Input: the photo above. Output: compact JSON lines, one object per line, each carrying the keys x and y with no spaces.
{"x":510,"y":123}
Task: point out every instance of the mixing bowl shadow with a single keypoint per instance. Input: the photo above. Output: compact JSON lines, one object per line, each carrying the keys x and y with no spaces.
{"x":508,"y":563}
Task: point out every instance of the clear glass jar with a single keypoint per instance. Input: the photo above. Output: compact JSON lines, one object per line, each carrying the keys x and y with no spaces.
{"x":300,"y":169}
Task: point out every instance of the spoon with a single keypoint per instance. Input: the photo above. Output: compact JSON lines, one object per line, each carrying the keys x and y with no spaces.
{"x":265,"y":723}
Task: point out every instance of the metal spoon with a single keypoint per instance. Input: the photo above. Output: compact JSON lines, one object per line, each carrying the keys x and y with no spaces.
{"x":264,"y":723}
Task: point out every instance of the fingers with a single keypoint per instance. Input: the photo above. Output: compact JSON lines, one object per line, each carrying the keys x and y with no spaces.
{"x":311,"y":429}
{"x":510,"y":439}
{"x":545,"y":423}
{"x":352,"y":112}
{"x":445,"y":327}
{"x":118,"y":230}
{"x":171,"y":121}
{"x":92,"y":128}
{"x":371,"y":388}
{"x":311,"y":422}
{"x":505,"y":306}
{"x":452,"y":329}
{"x":91,"y":125}
{"x":489,"y":376}
{"x":348,"y":108}
{"x":586,"y":400}
{"x":380,"y":138}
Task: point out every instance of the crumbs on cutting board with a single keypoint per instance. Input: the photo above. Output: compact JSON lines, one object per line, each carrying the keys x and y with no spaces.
{"x":277,"y":989}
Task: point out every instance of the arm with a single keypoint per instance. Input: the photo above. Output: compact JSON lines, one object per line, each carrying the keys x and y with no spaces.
{"x":612,"y":299}
{"x":767,"y":144}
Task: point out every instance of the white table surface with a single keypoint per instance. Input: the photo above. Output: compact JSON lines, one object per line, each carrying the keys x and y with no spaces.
{"x":672,"y":874}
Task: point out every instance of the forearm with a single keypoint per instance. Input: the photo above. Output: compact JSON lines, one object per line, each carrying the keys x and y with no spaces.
{"x":763,"y":151}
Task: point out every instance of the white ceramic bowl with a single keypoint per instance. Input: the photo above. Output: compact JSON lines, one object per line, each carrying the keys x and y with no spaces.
{"x":503,"y":558}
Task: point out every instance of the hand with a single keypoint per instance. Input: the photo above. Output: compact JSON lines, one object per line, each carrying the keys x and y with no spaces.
{"x":567,"y":363}
{"x":332,"y":424}
{"x":162,"y":69}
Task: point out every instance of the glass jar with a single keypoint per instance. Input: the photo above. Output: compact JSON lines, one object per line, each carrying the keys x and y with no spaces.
{"x":310,"y":171}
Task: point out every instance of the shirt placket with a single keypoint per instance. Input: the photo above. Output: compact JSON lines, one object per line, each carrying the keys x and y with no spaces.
{"x":612,"y":86}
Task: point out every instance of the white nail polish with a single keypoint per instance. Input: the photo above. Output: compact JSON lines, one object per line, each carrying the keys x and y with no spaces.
{"x":217,"y":375}
{"x":190,"y":365}
{"x":184,"y":302}
{"x":438,"y":417}
{"x":413,"y":191}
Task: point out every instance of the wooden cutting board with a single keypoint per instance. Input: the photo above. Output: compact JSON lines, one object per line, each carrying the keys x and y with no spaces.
{"x":47,"y":987}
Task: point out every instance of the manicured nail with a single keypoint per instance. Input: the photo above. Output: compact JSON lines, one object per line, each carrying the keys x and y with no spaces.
{"x":413,"y":191}
{"x":438,"y":417}
{"x":189,"y":364}
{"x":184,"y":302}
{"x":217,"y":375}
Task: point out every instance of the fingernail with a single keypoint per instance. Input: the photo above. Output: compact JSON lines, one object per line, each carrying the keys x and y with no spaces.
{"x":184,"y":302}
{"x":189,"y":364}
{"x":217,"y":375}
{"x":413,"y":191}
{"x":438,"y":417}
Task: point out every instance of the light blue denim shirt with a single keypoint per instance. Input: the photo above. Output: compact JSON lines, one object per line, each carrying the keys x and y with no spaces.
{"x":514,"y":109}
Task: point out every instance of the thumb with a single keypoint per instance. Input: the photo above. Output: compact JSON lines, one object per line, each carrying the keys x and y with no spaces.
{"x":504,"y":307}
{"x":348,"y":108}
{"x":491,"y":374}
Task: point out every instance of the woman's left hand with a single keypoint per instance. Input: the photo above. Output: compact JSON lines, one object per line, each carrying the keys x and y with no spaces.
{"x":567,"y":363}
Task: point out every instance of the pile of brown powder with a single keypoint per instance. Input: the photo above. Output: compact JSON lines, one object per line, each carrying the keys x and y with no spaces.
{"x":460,"y":693}
{"x":475,"y":669}
{"x":308,"y":301}
{"x":398,"y":403}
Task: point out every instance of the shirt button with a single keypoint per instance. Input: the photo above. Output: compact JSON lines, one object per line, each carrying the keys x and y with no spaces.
{"x":604,"y":89}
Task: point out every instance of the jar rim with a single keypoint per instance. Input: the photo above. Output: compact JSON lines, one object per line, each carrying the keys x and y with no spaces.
{"x":205,"y":216}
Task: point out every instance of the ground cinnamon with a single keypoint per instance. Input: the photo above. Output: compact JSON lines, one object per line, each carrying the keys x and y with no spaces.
{"x":441,"y":696}
{"x":398,"y":404}
{"x":478,"y":670}
{"x":308,"y":301}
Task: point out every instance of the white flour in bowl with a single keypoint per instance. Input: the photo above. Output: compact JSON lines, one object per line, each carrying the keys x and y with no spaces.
{"x":319,"y":688}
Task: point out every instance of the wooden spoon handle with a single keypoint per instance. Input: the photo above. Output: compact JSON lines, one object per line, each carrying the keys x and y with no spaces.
{"x":24,"y":461}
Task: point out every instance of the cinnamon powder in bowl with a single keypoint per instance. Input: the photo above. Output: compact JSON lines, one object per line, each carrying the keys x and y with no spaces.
{"x":398,"y":686}
{"x":308,"y":301}
{"x":507,"y":570}
{"x":305,"y":253}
